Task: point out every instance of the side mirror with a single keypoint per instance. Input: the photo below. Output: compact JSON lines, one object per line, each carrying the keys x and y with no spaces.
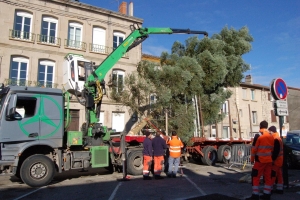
{"x":11,"y":113}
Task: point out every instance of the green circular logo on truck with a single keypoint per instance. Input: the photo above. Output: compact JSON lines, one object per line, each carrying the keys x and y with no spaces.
{"x":41,"y":117}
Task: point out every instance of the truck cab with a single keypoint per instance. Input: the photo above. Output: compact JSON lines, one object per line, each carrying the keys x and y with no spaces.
{"x":31,"y":118}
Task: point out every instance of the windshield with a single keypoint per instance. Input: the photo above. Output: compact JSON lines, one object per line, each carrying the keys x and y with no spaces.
{"x":292,"y":139}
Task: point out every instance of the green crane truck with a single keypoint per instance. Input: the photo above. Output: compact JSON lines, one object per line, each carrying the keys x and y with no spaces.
{"x":34,"y":142}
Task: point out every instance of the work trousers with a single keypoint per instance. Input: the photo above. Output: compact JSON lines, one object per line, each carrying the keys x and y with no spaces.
{"x":147,"y":165}
{"x":277,"y":174}
{"x":175,"y":162}
{"x":158,"y":165}
{"x":258,"y":170}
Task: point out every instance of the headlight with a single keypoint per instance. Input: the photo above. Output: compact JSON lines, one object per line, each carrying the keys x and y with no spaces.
{"x":297,"y":153}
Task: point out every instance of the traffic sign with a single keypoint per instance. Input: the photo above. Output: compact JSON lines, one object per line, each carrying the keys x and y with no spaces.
{"x":279,"y":89}
{"x":281,"y":104}
{"x":282,"y":112}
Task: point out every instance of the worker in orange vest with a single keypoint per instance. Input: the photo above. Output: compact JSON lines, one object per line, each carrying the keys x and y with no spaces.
{"x":175,"y":146}
{"x":277,"y":161}
{"x":147,"y":155}
{"x":261,"y":156}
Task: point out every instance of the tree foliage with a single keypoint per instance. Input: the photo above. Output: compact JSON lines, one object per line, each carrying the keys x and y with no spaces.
{"x":200,"y":67}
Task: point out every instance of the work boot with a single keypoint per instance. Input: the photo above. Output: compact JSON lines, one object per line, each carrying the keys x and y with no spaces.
{"x":253,"y":197}
{"x":266,"y":196}
{"x":158,"y":177}
{"x":147,"y":178}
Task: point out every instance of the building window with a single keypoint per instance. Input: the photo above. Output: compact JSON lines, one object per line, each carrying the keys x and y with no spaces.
{"x":46,"y":73}
{"x":99,"y":40}
{"x":18,"y":71}
{"x":225,"y":132}
{"x":101,"y":118}
{"x":75,"y":35}
{"x":225,"y":108}
{"x":118,"y":39}
{"x":153,"y":100}
{"x":49,"y":30}
{"x":22,"y":27}
{"x":241,"y":113}
{"x":118,"y":120}
{"x":254,"y":117}
{"x":244,"y":93}
{"x":213,"y":131}
{"x":252,"y":95}
{"x":118,"y":80}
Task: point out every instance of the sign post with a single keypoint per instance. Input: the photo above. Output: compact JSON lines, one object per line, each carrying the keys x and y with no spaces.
{"x":279,"y":91}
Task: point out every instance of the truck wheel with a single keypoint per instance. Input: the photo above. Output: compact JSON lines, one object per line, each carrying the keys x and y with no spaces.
{"x":135,"y":163}
{"x":37,"y":170}
{"x":224,"y":153}
{"x":210,"y":155}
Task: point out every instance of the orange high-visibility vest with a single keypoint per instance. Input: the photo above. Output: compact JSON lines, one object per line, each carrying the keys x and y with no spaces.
{"x":279,"y":160}
{"x":263,"y":147}
{"x":175,"y":147}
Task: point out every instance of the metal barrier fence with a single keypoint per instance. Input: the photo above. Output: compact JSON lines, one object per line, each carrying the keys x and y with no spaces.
{"x":240,"y":155}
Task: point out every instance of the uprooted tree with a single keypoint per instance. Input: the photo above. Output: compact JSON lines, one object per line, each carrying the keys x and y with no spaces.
{"x":200,"y":68}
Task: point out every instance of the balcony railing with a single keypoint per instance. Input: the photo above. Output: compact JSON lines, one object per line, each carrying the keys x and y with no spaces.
{"x":100,"y":48}
{"x":75,"y":44}
{"x":21,"y":35}
{"x":29,"y":83}
{"x":45,"y":39}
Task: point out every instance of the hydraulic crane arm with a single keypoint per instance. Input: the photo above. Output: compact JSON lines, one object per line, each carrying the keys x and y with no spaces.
{"x":94,"y":84}
{"x":137,"y":36}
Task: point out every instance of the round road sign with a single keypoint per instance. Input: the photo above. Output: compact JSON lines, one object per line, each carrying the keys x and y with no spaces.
{"x":279,"y":89}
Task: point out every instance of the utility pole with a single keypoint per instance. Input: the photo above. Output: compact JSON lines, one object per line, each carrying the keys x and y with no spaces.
{"x":166,"y":114}
{"x":201,"y":117}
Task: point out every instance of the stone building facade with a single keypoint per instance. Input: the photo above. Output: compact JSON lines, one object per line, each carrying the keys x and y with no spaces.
{"x":36,"y":35}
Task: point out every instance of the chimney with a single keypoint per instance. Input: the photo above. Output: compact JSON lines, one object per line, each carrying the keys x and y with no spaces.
{"x":123,"y":8}
{"x":248,"y":79}
{"x":130,"y":9}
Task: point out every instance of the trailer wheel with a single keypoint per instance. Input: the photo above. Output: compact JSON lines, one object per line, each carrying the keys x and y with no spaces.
{"x":135,"y":163}
{"x":37,"y":170}
{"x":210,"y":155}
{"x":224,"y":153}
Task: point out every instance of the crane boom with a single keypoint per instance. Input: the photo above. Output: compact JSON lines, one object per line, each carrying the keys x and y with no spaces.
{"x":137,"y":36}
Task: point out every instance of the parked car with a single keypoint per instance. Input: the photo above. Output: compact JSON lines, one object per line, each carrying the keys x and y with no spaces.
{"x":292,"y":148}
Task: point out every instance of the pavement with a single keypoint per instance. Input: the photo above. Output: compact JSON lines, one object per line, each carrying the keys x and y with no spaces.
{"x":197,"y":182}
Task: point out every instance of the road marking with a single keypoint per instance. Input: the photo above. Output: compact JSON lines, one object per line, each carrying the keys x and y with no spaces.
{"x":112,"y":196}
{"x":29,"y":193}
{"x":195,"y":185}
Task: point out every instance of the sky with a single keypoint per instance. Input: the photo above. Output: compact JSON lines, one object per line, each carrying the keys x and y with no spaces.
{"x":274,"y":25}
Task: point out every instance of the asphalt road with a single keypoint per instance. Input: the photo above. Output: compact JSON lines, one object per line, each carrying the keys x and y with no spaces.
{"x":197,"y":182}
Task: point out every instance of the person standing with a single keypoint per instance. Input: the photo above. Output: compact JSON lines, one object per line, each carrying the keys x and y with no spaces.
{"x":159,"y":145}
{"x":277,"y":161}
{"x":147,"y":155}
{"x":175,"y":146}
{"x":261,"y":156}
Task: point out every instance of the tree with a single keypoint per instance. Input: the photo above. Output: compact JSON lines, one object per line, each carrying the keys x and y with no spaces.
{"x":200,"y":67}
